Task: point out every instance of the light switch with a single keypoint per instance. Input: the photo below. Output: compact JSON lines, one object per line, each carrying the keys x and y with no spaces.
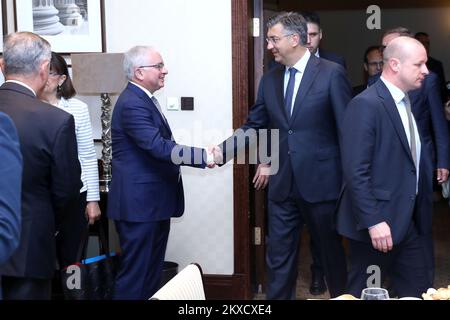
{"x":173,"y":104}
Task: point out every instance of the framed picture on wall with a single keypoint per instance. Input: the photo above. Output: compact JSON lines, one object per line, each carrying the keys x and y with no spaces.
{"x":2,"y":22}
{"x":69,"y":25}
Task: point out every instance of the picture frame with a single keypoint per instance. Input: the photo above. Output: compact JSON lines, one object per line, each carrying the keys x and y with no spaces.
{"x":75,"y":26}
{"x":3,"y":22}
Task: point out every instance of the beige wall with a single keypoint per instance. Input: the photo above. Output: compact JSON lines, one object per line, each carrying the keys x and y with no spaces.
{"x":196,"y":47}
{"x":194,"y":38}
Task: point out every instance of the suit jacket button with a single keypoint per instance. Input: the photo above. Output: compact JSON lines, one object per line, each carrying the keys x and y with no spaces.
{"x":290,"y":132}
{"x":289,"y":153}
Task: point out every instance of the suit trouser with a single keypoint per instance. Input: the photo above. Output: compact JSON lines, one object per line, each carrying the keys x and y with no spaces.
{"x":405,"y":265}
{"x":316,"y":265}
{"x":285,"y":221}
{"x":26,"y":288}
{"x":69,"y":234}
{"x":143,"y":247}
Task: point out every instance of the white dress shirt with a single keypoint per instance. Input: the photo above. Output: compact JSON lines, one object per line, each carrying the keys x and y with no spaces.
{"x":300,"y":66}
{"x":398,"y":95}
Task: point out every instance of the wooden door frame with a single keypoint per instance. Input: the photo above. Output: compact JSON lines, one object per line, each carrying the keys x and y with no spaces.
{"x":238,"y":285}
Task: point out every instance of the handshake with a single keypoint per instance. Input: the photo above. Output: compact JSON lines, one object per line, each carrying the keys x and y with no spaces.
{"x":214,"y":156}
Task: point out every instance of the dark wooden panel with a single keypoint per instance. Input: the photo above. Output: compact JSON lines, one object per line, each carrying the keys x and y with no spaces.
{"x":224,"y":287}
{"x":241,"y":47}
{"x":351,"y":4}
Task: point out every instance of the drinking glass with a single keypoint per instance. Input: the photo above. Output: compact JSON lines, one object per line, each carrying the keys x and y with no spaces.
{"x":374,"y":294}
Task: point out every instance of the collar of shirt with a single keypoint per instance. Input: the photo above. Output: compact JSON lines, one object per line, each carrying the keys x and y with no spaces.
{"x":301,"y":64}
{"x":317,"y":54}
{"x":396,"y":93}
{"x":143,"y":89}
{"x":23,"y":85}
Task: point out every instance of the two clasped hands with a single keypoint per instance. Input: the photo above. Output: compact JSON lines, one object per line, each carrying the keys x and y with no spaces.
{"x":214,"y":156}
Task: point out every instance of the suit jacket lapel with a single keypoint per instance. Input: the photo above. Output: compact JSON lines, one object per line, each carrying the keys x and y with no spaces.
{"x":278,"y":81}
{"x":141,"y":94}
{"x":391,"y":109}
{"x":312,"y":67}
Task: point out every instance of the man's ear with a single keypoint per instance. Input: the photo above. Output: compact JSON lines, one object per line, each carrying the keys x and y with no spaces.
{"x":2,"y":65}
{"x":394,"y":64}
{"x":295,"y":39}
{"x":138,"y":74}
{"x":44,"y":70}
{"x":320,"y":34}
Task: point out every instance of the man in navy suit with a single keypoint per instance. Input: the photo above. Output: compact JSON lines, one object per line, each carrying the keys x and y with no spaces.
{"x":146,"y":188}
{"x":427,"y":107}
{"x":10,"y":189}
{"x":304,"y":98}
{"x":51,"y":170}
{"x":386,"y":174}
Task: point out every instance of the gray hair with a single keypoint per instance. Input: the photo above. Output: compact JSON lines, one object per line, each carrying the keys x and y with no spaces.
{"x":401,"y":31}
{"x":24,"y":53}
{"x":135,"y":57}
{"x":292,"y":22}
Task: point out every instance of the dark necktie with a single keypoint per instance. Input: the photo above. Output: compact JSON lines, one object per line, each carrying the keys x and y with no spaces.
{"x":290,"y":92}
{"x":412,"y":133}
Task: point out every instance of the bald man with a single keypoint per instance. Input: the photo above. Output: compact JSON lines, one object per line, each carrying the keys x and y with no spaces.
{"x":385,"y":175}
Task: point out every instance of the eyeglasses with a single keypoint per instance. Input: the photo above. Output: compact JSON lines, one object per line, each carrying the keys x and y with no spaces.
{"x":274,"y":40}
{"x":376,"y":64}
{"x":158,"y":66}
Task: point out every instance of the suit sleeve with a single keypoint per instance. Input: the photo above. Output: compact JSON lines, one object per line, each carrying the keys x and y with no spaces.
{"x":140,"y":126}
{"x":358,"y":144}
{"x":10,"y":188}
{"x":438,"y":121}
{"x":257,"y":119}
{"x":341,"y":94}
{"x":65,"y":170}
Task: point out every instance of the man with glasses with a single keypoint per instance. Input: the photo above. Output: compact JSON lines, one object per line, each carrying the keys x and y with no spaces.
{"x":373,"y":65}
{"x":304,"y":98}
{"x":146,"y":188}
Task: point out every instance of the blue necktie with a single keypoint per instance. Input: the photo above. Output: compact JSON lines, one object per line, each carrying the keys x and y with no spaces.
{"x":290,"y":92}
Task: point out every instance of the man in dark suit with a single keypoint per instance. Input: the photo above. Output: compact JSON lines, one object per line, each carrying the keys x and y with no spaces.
{"x":426,"y":105}
{"x":304,"y":99}
{"x":433,"y":64}
{"x":51,"y":170}
{"x":10,"y":189}
{"x":373,"y":64}
{"x":315,"y":36}
{"x":146,"y":189}
{"x":386,"y":173}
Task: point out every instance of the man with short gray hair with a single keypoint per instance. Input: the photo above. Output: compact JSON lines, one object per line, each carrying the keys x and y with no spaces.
{"x":51,"y":170}
{"x":146,"y":188}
